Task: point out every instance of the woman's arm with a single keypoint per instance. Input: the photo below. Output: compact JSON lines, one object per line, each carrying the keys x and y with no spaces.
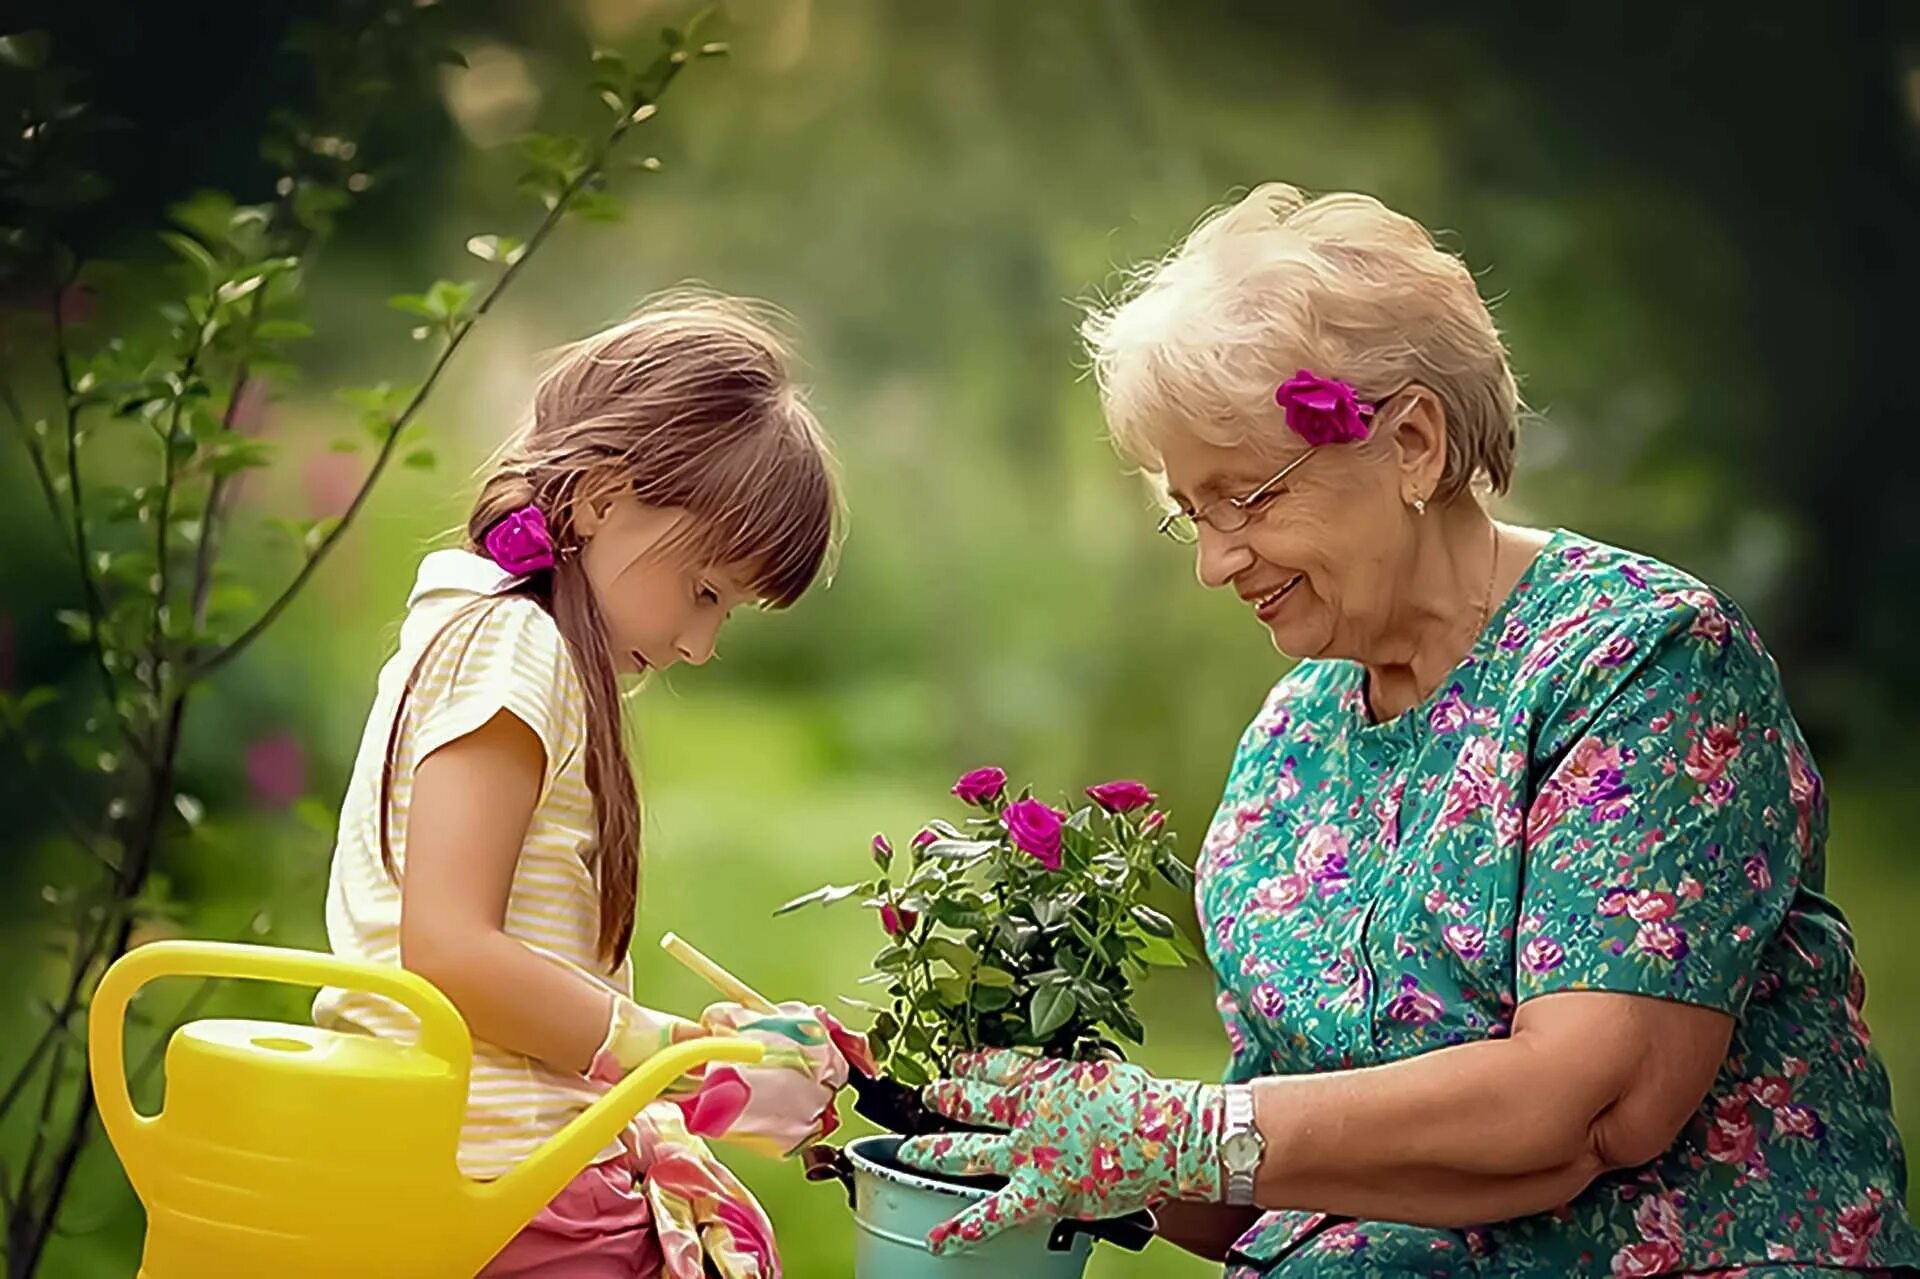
{"x":1206,"y":1230}
{"x":1588,"y":1082}
{"x":471,"y":805}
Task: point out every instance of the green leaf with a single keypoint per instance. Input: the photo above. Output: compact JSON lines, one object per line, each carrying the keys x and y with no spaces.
{"x":26,"y":50}
{"x":1153,"y":921}
{"x":1051,"y":1008}
{"x":236,"y":453}
{"x":824,"y":895}
{"x":597,"y":206}
{"x":234,"y":290}
{"x":449,"y":298}
{"x":1158,"y":952}
{"x":421,"y":460}
{"x":193,"y":251}
{"x":988,"y":975}
{"x":908,"y":1071}
{"x":961,"y":850}
{"x":954,"y":954}
{"x":991,"y":999}
{"x":415,"y":304}
{"x":496,"y":248}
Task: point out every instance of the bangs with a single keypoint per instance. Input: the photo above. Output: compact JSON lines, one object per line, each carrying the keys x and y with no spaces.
{"x":769,"y":506}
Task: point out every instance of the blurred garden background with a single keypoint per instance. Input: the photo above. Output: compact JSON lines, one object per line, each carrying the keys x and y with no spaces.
{"x":1698,"y":220}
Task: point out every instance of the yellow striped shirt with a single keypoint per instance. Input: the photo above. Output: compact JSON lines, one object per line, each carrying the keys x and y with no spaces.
{"x":501,"y":654}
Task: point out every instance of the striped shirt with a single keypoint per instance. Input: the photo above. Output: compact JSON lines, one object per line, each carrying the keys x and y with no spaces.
{"x":499,"y":654}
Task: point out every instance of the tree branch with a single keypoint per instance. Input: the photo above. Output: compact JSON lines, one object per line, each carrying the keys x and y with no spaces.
{"x":587,"y":174}
{"x":39,"y":458}
{"x":96,"y":609}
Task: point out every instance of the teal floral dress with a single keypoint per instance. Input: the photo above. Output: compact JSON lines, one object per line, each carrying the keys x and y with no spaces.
{"x":1608,"y":793}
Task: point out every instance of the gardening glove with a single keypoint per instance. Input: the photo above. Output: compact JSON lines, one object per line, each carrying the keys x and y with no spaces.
{"x":635,"y":1033}
{"x":1086,"y":1140}
{"x":785,"y":1101}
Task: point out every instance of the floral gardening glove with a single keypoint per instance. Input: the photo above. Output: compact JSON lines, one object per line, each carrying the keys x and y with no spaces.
{"x":635,"y":1033}
{"x":785,"y":1101}
{"x":1087,"y":1140}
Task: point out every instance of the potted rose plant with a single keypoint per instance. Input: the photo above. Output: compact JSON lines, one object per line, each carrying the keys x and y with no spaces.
{"x":1020,"y":926}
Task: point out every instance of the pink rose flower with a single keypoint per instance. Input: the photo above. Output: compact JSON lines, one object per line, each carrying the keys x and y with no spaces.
{"x":1120,"y":796}
{"x":1323,"y":410}
{"x":1758,"y":873}
{"x":924,"y":838}
{"x":897,"y":921}
{"x":981,"y":786}
{"x":1035,"y":830}
{"x":1267,"y":1000}
{"x":882,"y":852}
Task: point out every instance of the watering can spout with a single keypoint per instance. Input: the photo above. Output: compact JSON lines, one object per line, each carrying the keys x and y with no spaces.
{"x":515,"y":1198}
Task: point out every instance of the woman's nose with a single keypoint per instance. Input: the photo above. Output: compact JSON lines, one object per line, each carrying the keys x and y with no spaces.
{"x":1219,"y":557}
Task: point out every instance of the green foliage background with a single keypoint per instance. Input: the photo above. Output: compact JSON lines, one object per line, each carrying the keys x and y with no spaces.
{"x":1693,"y":226}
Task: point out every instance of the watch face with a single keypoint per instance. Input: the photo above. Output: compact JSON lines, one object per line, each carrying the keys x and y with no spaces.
{"x":1241,"y":1151}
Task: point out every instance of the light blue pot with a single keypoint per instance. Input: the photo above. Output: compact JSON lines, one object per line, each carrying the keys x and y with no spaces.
{"x":893,"y":1209}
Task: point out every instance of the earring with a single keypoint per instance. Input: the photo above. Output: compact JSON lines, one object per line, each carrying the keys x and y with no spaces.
{"x":1419,"y":506}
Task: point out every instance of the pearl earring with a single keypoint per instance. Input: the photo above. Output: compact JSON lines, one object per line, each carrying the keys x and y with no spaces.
{"x":1420,"y":505}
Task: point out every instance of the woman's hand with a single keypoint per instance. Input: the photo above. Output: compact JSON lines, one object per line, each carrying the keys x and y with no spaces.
{"x":1085,"y":1139}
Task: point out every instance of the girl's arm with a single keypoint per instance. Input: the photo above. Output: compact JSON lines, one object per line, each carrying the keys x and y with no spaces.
{"x":471,"y":805}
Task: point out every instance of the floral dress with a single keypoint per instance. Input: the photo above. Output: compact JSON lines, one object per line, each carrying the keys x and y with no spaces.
{"x":1608,"y":793}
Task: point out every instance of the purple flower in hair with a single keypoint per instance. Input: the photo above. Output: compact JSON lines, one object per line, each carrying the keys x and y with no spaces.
{"x":520,"y":543}
{"x":1323,"y":410}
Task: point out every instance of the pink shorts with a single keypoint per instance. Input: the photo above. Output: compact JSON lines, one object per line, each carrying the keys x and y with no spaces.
{"x":598,"y":1227}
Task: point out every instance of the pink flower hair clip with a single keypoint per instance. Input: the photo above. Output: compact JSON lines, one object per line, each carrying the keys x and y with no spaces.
{"x":520,"y":542}
{"x":1323,"y":410}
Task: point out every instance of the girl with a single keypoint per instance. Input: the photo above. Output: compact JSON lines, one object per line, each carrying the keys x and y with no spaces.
{"x":489,"y":837}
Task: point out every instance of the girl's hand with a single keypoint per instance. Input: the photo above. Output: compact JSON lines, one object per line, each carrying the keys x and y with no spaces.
{"x":1086,"y":1139}
{"x":634,"y":1034}
{"x":786,"y":1101}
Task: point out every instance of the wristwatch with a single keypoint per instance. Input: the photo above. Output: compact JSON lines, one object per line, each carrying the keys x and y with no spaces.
{"x":1241,"y":1144}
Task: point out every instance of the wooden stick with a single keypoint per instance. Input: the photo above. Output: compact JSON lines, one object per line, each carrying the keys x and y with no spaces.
{"x":716,"y":976}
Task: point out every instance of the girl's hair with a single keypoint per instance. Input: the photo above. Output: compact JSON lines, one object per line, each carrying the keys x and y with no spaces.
{"x":688,"y":405}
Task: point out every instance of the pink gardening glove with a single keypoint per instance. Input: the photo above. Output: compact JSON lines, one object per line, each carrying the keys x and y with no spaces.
{"x":785,"y":1101}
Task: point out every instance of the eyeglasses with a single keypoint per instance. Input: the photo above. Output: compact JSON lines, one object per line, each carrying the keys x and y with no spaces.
{"x":1226,"y":514}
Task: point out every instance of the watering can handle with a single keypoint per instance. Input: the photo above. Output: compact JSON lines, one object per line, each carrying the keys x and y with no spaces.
{"x":442,"y":1032}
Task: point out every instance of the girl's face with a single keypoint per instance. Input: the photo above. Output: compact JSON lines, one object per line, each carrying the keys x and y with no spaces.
{"x":659,"y":608}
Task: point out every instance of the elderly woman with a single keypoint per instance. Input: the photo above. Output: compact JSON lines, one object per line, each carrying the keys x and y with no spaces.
{"x":1514,"y":899}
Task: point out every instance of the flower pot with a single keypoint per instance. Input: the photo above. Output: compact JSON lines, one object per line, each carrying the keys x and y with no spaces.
{"x":895,"y":1206}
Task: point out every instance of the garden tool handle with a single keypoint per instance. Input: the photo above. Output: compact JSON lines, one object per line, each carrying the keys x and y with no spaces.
{"x":714,"y":975}
{"x":442,"y":1032}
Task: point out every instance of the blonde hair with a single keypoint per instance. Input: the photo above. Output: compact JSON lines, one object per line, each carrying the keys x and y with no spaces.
{"x":689,"y":405}
{"x":1276,"y":283}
